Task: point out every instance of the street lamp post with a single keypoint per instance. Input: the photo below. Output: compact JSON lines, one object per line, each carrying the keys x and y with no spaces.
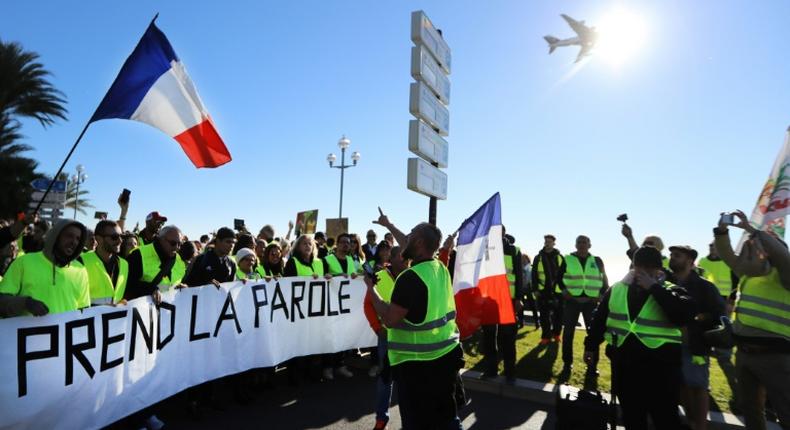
{"x":79,"y":178}
{"x":343,"y":144}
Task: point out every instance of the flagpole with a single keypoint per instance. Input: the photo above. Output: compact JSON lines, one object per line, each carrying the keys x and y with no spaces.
{"x":60,"y":170}
{"x":68,"y":156}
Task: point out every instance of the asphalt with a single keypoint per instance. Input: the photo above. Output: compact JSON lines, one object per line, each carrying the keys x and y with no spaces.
{"x":343,"y":404}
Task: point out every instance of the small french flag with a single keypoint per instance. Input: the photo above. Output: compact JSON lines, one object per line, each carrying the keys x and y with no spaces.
{"x":153,"y":87}
{"x":482,"y":292}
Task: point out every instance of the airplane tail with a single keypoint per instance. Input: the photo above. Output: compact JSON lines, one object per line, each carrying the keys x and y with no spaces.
{"x":552,"y":43}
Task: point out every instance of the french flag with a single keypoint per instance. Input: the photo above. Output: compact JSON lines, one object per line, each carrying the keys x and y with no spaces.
{"x":153,"y":87}
{"x":482,"y":293}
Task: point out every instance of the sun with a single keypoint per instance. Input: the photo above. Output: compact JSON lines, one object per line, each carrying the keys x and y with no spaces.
{"x":622,"y":34}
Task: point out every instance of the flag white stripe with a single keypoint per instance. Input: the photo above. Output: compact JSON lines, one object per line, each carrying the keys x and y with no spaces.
{"x":482,"y":258}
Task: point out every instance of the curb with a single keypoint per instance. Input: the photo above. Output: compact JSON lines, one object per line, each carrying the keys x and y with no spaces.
{"x":545,"y":393}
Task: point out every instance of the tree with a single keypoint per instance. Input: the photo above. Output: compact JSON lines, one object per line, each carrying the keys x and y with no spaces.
{"x":25,"y":91}
{"x":72,"y":197}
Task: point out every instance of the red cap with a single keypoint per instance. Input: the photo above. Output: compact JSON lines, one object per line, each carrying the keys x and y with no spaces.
{"x":154,"y":216}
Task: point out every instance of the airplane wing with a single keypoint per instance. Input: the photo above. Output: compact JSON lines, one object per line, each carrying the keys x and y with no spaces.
{"x":582,"y":30}
{"x":583,"y":53}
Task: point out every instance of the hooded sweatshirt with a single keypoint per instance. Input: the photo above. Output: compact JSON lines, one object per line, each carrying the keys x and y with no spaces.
{"x":58,"y":281}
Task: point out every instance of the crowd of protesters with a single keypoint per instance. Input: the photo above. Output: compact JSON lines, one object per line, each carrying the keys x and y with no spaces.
{"x":657,"y":321}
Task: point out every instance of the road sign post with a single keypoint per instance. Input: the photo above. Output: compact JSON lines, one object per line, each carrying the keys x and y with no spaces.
{"x":429,"y":97}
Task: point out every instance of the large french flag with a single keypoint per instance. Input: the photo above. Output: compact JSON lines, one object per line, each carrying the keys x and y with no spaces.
{"x":153,"y":87}
{"x":482,"y":293}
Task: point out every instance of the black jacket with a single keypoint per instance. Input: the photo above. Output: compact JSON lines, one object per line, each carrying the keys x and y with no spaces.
{"x":135,"y":286}
{"x":678,"y":307}
{"x":208,"y":267}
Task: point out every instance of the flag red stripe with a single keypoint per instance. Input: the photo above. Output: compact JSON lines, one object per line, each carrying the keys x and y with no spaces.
{"x":488,"y":303}
{"x":203,"y":145}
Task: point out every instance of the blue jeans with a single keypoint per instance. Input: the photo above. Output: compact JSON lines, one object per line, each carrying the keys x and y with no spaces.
{"x":383,"y":383}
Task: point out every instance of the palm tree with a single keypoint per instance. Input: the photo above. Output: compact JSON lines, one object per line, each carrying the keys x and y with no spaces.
{"x":25,"y":91}
{"x":72,"y":197}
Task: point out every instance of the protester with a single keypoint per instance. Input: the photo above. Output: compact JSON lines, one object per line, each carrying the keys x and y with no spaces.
{"x":13,"y":231}
{"x":48,"y":281}
{"x":272,"y":265}
{"x":153,"y":222}
{"x":90,"y":241}
{"x":499,"y":340}
{"x":641,"y":322}
{"x":8,"y":254}
{"x":761,"y":328}
{"x":266,"y":233}
{"x":204,"y":238}
{"x":425,"y":354}
{"x":696,"y":350}
{"x":355,"y":251}
{"x":107,"y":271}
{"x":246,"y":261}
{"x":156,"y":266}
{"x":715,"y":270}
{"x":33,"y":241}
{"x":128,"y":244}
{"x":385,"y":283}
{"x":214,"y":267}
{"x":304,"y":260}
{"x":582,"y":279}
{"x":340,"y":263}
{"x":651,"y":240}
{"x":389,"y":238}
{"x":243,"y":240}
{"x":323,"y":249}
{"x":369,"y":248}
{"x":382,"y":257}
{"x":545,"y":280}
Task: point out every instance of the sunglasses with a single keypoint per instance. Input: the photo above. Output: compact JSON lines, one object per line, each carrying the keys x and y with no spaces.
{"x":113,"y":236}
{"x":174,"y":243}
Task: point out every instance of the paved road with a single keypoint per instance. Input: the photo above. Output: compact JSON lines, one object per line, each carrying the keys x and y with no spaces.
{"x":346,"y":404}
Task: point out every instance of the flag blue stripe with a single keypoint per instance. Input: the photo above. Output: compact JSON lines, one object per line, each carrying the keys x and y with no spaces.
{"x":149,"y":60}
{"x":480,"y":222}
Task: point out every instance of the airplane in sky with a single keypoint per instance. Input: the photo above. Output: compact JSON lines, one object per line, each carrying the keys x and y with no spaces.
{"x":585,"y":37}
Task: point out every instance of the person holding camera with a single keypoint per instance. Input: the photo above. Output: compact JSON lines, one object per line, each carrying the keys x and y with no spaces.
{"x":761,"y":327}
{"x":641,"y":321}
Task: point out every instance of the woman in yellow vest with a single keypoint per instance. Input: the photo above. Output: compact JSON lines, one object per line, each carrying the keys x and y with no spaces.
{"x":246,"y":261}
{"x":641,"y":322}
{"x":304,"y":260}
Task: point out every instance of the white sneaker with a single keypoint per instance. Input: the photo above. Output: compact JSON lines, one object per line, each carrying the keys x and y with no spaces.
{"x":328,"y":374}
{"x":343,"y":370}
{"x":374,"y":371}
{"x":154,"y":423}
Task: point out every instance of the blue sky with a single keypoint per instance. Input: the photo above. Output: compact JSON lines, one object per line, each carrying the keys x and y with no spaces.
{"x":686,"y":127}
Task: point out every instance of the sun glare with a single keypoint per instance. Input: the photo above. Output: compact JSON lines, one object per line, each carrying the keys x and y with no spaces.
{"x":621,"y":35}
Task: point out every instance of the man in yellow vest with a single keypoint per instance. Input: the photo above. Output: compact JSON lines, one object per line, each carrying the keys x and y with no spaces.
{"x":499,"y":340}
{"x":761,"y":325}
{"x":48,"y":281}
{"x":422,"y":337}
{"x":156,"y":266}
{"x":715,"y":270}
{"x":545,"y":282}
{"x":641,"y":323}
{"x":107,"y":272}
{"x":582,"y":279}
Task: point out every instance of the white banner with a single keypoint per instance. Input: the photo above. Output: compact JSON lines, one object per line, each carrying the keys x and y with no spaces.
{"x":89,"y":368}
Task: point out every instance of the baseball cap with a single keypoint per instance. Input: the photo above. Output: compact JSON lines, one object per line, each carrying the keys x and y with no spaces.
{"x":154,"y":216}
{"x":691,"y":252}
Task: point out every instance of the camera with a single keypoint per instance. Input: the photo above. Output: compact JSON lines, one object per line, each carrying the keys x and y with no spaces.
{"x":622,"y":217}
{"x":727,"y":219}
